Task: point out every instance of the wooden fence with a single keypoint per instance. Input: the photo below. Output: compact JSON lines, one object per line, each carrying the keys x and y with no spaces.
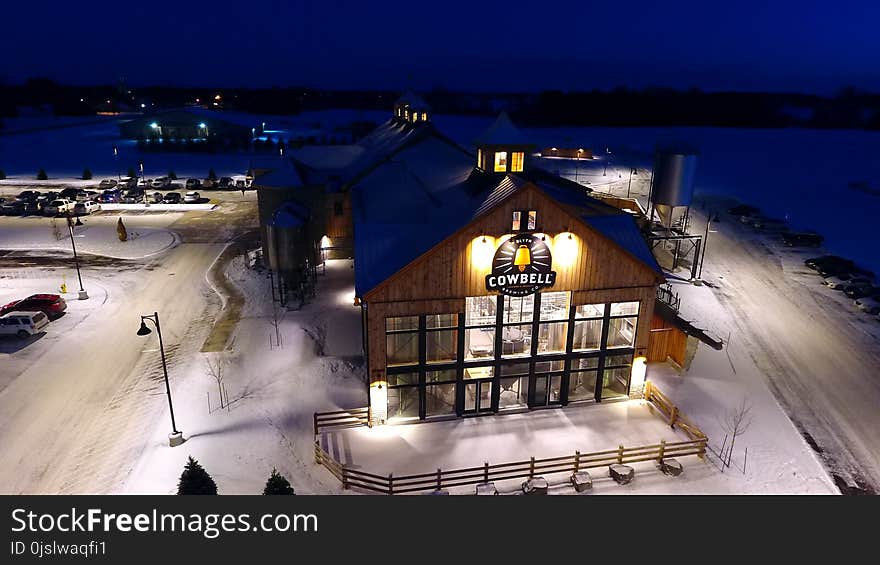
{"x":443,"y":479}
{"x":353,"y":418}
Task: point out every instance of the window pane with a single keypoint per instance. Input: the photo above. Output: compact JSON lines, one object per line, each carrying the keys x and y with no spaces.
{"x":515,"y":369}
{"x":440,"y":399}
{"x":614,"y":382}
{"x":514,"y":393}
{"x":479,"y":372}
{"x":441,"y":346}
{"x":552,"y":337}
{"x":403,"y":402}
{"x":517,"y":221}
{"x":516,"y":340}
{"x":442,"y":320}
{"x":480,"y":310}
{"x":549,"y":366}
{"x":582,"y":386}
{"x":621,"y":332}
{"x":402,"y":323}
{"x":554,"y":306}
{"x":585,"y":363}
{"x":618,"y":360}
{"x":590,"y":311}
{"x":501,"y":161}
{"x":440,"y":376}
{"x":402,"y":349}
{"x":516,"y":163}
{"x":518,"y":308}
{"x":479,"y":343}
{"x":403,"y":379}
{"x":533,"y":218}
{"x":624,"y":308}
{"x":587,"y":335}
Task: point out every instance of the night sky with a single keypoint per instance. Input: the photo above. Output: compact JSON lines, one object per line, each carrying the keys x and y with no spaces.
{"x":775,"y":45}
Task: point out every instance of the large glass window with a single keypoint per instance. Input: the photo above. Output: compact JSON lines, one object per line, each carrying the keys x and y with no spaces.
{"x":553,"y":331}
{"x":441,"y":346}
{"x":615,"y":382}
{"x":402,"y":348}
{"x":514,"y":393}
{"x":403,"y":402}
{"x":587,"y":335}
{"x":501,"y":161}
{"x":622,"y":332}
{"x":440,"y":399}
{"x":480,"y":319}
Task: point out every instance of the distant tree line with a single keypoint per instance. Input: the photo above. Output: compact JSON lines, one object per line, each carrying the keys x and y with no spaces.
{"x":849,"y":108}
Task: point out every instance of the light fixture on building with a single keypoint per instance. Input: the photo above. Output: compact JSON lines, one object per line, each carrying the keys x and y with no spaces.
{"x":523,"y":258}
{"x":639,"y":370}
{"x":378,"y":402}
{"x":565,"y":249}
{"x":482,"y":251}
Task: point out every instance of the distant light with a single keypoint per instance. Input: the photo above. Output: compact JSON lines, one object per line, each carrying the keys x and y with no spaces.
{"x":143,"y":105}
{"x":82,"y":100}
{"x":197,"y":100}
{"x":201,"y":125}
{"x":108,"y":102}
{"x":217,"y":97}
{"x":154,"y":125}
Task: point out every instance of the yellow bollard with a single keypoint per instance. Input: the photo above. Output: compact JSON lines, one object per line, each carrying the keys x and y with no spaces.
{"x":64,"y":288}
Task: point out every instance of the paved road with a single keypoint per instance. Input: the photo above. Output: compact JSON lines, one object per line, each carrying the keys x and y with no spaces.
{"x":818,"y":352}
{"x":77,"y":413}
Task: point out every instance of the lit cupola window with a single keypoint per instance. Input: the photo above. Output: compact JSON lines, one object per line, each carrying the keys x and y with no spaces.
{"x":410,"y":108}
{"x":502,"y":148}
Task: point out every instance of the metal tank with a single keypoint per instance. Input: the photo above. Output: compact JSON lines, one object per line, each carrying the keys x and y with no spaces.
{"x":673,"y":182}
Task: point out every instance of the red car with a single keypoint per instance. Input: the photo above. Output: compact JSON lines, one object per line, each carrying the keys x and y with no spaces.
{"x":50,"y":304}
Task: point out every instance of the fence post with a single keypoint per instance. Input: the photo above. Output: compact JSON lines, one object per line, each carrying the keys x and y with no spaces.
{"x":702,"y":452}
{"x":532,"y":467}
{"x":439,"y":480}
{"x":316,"y":424}
{"x":672,"y":415}
{"x":390,"y":483}
{"x":662,"y":450}
{"x":485,"y":471}
{"x":620,"y":454}
{"x":577,"y":461}
{"x":370,"y":417}
{"x":344,"y":478}
{"x":317,"y":452}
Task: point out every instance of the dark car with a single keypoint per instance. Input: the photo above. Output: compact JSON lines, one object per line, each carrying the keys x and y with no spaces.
{"x":225,"y":182}
{"x":107,"y":183}
{"x":12,"y":208}
{"x":743,"y":210}
{"x":26,"y":195}
{"x":50,"y":304}
{"x":32,"y":207}
{"x":192,"y":184}
{"x":73,"y":194}
{"x":802,"y":239}
{"x":861,"y":289}
{"x":133,"y":196}
{"x":109,"y":197}
{"x":172,"y":198}
{"x":816,"y":263}
{"x":209,"y":183}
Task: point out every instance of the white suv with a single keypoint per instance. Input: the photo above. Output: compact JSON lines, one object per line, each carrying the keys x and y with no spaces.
{"x":59,"y":207}
{"x":23,"y":324}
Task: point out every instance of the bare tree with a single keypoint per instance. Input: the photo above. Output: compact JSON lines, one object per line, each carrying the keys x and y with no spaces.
{"x":56,"y":231}
{"x":217,"y":363}
{"x":735,"y":423}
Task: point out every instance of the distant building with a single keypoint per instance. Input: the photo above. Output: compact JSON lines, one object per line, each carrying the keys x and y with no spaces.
{"x":184,"y":124}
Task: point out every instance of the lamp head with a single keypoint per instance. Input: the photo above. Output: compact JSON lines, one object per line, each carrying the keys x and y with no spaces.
{"x":144,"y":330}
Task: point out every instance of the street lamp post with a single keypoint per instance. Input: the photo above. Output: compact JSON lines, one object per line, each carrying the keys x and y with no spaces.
{"x":83,"y":295}
{"x":175,"y":438}
{"x":711,"y":218}
{"x":632,"y":172}
{"x":116,"y":158}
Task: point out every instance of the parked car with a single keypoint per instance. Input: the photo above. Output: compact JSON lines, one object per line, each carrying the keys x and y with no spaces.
{"x":868,"y":304}
{"x":110,"y":196}
{"x":127,"y":182}
{"x":58,"y":207}
{"x":86,"y":207}
{"x":144,"y":182}
{"x":769,"y":224}
{"x":132,"y":196}
{"x":209,"y":183}
{"x":107,"y":183}
{"x":192,"y":197}
{"x":802,"y":239}
{"x":226,"y":182}
{"x":240,"y":183}
{"x":52,"y":305}
{"x":192,"y":184}
{"x":12,"y":208}
{"x":155,"y":198}
{"x":25,"y":195}
{"x":171,"y":198}
{"x":46,"y":197}
{"x":836,"y":283}
{"x":72,"y":194}
{"x":161,"y":182}
{"x":832,"y":262}
{"x":862,"y":289}
{"x":23,"y":324}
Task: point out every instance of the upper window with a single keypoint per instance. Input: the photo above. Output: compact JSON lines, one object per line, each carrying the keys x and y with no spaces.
{"x":524,"y":220}
{"x":480,"y":163}
{"x":337,"y":208}
{"x":517,"y":221}
{"x":501,"y":161}
{"x":516,"y":161}
{"x":424,"y":116}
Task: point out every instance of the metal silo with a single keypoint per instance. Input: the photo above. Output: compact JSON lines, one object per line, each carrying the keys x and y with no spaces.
{"x":673,"y":182}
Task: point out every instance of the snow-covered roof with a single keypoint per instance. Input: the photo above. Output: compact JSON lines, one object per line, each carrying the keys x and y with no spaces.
{"x":281,"y":173}
{"x":502,"y":132}
{"x":412,"y":100}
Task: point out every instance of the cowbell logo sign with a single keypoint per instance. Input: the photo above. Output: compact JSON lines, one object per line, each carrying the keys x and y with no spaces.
{"x":521,"y":266}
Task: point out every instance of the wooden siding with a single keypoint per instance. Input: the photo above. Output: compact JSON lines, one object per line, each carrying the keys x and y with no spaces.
{"x":666,"y":341}
{"x":439,"y":280}
{"x":339,"y":226}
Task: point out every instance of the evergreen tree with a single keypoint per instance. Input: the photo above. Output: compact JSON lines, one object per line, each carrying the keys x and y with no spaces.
{"x":195,"y":480}
{"x":212,"y":175}
{"x":277,"y":484}
{"x":87,"y":174}
{"x":131,"y":174}
{"x":41,"y":175}
{"x":172,"y":175}
{"x":2,"y":175}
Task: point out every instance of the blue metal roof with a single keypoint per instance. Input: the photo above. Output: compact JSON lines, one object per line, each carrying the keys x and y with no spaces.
{"x":622,"y":230}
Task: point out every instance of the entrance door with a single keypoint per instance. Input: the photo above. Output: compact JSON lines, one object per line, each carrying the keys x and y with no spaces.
{"x":478,"y":396}
{"x":547,"y":390}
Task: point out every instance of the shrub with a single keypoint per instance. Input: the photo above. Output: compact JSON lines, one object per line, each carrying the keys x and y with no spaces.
{"x":2,"y":175}
{"x":87,"y":174}
{"x":212,"y":175}
{"x":172,"y":175}
{"x":195,"y":480}
{"x":277,"y":484}
{"x":41,"y":175}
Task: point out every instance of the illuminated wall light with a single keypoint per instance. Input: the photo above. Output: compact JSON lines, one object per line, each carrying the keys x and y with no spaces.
{"x":482,"y":252}
{"x":325,"y":242}
{"x":639,"y":370}
{"x":565,"y":249}
{"x":378,"y":402}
